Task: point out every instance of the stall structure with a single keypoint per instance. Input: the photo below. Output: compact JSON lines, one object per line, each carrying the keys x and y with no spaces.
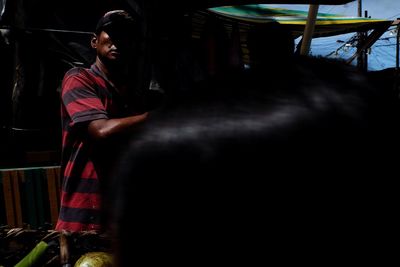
{"x":296,"y":21}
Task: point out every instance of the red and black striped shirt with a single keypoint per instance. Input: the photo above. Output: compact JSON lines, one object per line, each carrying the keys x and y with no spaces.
{"x":86,"y":95}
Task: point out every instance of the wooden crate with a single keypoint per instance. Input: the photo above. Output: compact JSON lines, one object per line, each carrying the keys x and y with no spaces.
{"x":30,"y":196}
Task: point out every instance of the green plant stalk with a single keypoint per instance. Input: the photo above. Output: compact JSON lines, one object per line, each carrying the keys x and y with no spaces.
{"x":33,"y":255}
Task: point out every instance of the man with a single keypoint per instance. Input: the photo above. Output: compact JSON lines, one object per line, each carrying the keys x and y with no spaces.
{"x":96,"y":113}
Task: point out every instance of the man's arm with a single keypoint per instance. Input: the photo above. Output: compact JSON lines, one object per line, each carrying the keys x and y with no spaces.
{"x":104,"y":128}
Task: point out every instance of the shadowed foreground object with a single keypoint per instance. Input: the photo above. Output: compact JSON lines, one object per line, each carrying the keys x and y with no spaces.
{"x":260,"y":169}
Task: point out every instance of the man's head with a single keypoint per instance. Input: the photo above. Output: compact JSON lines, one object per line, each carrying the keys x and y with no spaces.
{"x":117,"y":23}
{"x":114,"y":37}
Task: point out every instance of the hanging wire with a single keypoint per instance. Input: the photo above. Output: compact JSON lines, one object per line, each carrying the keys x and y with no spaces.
{"x":394,"y":16}
{"x":387,"y":45}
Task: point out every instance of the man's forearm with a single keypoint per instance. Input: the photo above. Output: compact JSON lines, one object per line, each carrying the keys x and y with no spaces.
{"x":104,"y":128}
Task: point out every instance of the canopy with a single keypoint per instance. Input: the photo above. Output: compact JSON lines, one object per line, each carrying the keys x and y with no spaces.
{"x":196,"y":4}
{"x":295,"y":20}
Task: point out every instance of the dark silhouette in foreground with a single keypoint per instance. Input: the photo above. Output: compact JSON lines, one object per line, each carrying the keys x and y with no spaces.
{"x":298,"y":169}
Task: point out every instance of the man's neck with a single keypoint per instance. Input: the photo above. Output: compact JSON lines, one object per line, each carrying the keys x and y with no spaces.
{"x":103,"y":68}
{"x":113,"y":74}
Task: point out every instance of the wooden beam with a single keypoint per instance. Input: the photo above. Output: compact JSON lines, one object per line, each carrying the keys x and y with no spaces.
{"x":309,"y":29}
{"x":397,"y":23}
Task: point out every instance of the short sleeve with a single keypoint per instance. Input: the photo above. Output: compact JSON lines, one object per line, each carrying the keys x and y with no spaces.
{"x":81,"y":99}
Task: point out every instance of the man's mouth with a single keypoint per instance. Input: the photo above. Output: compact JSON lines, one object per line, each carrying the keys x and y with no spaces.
{"x":114,"y":53}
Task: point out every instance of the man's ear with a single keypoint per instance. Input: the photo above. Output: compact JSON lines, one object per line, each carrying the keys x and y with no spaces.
{"x":93,"y":41}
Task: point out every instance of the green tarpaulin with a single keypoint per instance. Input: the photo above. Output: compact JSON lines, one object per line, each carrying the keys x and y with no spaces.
{"x":326,"y":24}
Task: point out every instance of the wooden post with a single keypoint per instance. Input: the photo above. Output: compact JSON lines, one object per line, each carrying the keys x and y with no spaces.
{"x":360,"y":58}
{"x":309,"y":29}
{"x":397,"y":70}
{"x":364,"y":53}
{"x":398,"y":48}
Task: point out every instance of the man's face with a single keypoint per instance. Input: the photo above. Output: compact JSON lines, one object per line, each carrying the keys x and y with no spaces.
{"x":112,"y":50}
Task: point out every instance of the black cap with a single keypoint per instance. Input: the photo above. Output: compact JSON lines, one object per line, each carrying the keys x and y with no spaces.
{"x":116,"y":20}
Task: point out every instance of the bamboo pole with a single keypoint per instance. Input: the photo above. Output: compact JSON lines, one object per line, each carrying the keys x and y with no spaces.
{"x":309,"y":29}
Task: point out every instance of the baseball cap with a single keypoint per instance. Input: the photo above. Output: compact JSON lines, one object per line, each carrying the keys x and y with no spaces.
{"x":116,"y":21}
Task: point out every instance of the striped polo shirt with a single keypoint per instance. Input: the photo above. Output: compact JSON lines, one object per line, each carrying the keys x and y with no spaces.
{"x":86,"y":95}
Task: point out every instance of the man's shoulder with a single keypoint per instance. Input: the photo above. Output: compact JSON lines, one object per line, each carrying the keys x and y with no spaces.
{"x":78,"y":77}
{"x":76,"y":71}
{"x":81,"y":74}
